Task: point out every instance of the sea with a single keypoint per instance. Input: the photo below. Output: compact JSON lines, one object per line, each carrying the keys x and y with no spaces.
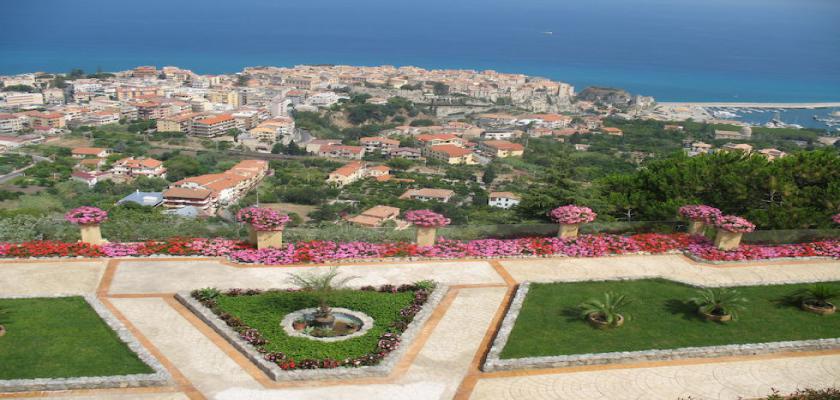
{"x":674,"y":50}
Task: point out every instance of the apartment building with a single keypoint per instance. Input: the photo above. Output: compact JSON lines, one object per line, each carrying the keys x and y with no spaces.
{"x":501,"y":148}
{"x":11,"y":123}
{"x":341,"y":151}
{"x":429,"y":140}
{"x":375,"y":216}
{"x":210,"y":192}
{"x":139,"y":166}
{"x":408,"y":153}
{"x":450,"y":154}
{"x":379,"y":144}
{"x":85,"y":152}
{"x":182,"y":122}
{"x":347,"y":174}
{"x":17,"y":99}
{"x":46,"y":119}
{"x":213,"y":126}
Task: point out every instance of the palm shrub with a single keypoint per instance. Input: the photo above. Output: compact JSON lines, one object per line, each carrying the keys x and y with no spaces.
{"x":719,"y":302}
{"x":321,"y":284}
{"x":818,"y":295}
{"x":607,"y":309}
{"x":3,"y":311}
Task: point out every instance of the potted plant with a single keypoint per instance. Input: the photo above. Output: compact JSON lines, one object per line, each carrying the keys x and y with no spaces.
{"x":729,"y":231}
{"x":698,"y":217}
{"x":299,"y":324}
{"x":605,"y":313}
{"x":322,"y":285}
{"x":719,"y":305}
{"x":427,"y":222}
{"x":817,"y":299}
{"x":88,"y":219}
{"x":570,"y":217}
{"x":266,"y":226}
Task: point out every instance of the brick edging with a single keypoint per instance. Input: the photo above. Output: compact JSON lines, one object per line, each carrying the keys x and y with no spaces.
{"x":384,"y":368}
{"x":160,"y":377}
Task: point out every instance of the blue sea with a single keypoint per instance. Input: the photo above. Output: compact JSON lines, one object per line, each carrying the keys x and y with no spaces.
{"x":675,"y":50}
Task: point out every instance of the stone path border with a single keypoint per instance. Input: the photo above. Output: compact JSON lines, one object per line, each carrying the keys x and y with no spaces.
{"x":159,"y":378}
{"x":495,"y":363}
{"x":271,"y":369}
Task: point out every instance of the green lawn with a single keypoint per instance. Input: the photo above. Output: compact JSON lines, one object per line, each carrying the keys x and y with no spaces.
{"x":265,"y":311}
{"x":660,"y":318}
{"x":58,"y":338}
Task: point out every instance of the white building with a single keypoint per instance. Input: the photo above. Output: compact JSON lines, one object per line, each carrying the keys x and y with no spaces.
{"x":503,"y":200}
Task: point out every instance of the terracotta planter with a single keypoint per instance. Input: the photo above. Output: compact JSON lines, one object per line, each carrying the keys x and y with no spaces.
{"x":715,"y":317}
{"x":568,"y":231}
{"x":696,"y":227}
{"x":725,"y":240}
{"x":2,"y":331}
{"x":299,"y":325}
{"x":266,"y":239}
{"x":426,"y":236}
{"x":595,"y":320}
{"x":830,"y":309}
{"x":91,"y":234}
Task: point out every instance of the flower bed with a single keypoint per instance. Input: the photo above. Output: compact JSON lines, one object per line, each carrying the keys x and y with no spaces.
{"x":252,"y":314}
{"x":328,"y":251}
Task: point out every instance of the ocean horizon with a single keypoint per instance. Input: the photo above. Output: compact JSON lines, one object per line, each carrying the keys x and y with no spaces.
{"x":678,"y":50}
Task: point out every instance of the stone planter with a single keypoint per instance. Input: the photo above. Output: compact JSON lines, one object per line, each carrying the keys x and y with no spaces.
{"x":568,"y":231}
{"x":696,"y":227}
{"x":2,"y":331}
{"x":426,"y":236}
{"x":596,"y":321}
{"x":725,"y":240}
{"x":830,"y":309}
{"x":715,"y":317}
{"x":91,"y":234}
{"x":265,"y":239}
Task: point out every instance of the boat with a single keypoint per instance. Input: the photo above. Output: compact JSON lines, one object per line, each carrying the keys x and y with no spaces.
{"x":548,"y":33}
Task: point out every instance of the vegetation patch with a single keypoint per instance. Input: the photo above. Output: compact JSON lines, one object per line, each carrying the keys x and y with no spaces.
{"x":663,"y":315}
{"x":60,"y":338}
{"x":256,"y":315}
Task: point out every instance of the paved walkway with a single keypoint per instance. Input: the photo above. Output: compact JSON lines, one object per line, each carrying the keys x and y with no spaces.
{"x":443,"y":362}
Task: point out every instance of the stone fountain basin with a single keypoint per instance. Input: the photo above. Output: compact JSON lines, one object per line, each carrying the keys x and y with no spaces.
{"x":341,"y":315}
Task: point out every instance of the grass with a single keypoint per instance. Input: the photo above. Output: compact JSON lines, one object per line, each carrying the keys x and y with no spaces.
{"x":265,"y":311}
{"x":60,"y":338}
{"x":549,"y":323}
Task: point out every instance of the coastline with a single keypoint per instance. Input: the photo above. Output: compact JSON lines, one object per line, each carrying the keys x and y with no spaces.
{"x":749,"y":105}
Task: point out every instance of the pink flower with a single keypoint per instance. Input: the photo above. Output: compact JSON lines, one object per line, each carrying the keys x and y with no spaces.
{"x":732,"y":223}
{"x":86,"y":216}
{"x":701,"y":213}
{"x":263,"y":219}
{"x":572,"y":214}
{"x":426,"y":218}
{"x":836,"y":218}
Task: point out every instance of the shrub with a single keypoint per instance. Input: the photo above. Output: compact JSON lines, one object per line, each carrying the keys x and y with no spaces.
{"x":719,"y":301}
{"x":819,"y":295}
{"x":609,"y":309}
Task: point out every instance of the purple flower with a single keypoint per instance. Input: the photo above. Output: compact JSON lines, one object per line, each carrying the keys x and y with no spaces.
{"x":700,"y":213}
{"x":426,"y":218}
{"x":86,"y":215}
{"x":263,"y":219}
{"x":735,"y":224}
{"x":572,"y":214}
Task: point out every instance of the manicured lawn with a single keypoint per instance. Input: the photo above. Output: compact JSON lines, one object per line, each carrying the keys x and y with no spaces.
{"x":660,"y":318}
{"x":58,"y":338}
{"x":265,"y":311}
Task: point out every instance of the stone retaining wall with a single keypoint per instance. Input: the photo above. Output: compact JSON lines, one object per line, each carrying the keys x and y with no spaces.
{"x":158,"y":378}
{"x":276,"y":373}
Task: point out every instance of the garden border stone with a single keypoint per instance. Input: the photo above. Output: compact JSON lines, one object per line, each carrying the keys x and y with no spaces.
{"x":277,"y":374}
{"x":160,"y":376}
{"x":495,"y":363}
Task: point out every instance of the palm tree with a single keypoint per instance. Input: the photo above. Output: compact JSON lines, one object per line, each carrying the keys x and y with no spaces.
{"x":606,"y":311}
{"x":721,"y":304}
{"x":321,"y":284}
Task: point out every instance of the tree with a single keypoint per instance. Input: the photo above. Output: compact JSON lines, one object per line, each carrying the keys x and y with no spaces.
{"x":400,"y":164}
{"x":180,"y":167}
{"x":19,"y":88}
{"x":440,"y":89}
{"x":489,"y":174}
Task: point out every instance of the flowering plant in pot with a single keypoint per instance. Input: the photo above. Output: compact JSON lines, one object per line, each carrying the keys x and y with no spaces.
{"x":88,"y":218}
{"x":817,"y":299}
{"x":570,"y":217}
{"x":605,"y":313}
{"x":699,"y":216}
{"x":719,"y":304}
{"x":427,"y":222}
{"x":266,"y":225}
{"x":729,"y":231}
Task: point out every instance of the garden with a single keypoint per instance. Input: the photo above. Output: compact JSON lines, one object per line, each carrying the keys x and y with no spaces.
{"x":319,"y":324}
{"x":60,"y":338}
{"x":625,"y":316}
